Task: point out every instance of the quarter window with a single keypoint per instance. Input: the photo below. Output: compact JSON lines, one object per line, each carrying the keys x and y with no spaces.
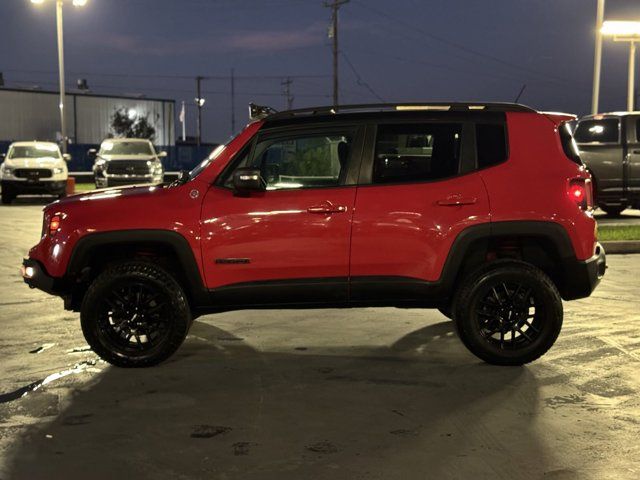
{"x":303,"y":162}
{"x":491,"y":144}
{"x":418,"y":152}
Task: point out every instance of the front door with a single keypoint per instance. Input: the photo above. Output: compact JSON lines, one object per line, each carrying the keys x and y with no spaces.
{"x":290,"y":243}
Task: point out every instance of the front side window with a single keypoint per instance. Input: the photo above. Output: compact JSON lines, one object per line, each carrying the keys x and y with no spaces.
{"x":418,"y":152}
{"x":600,"y":131}
{"x":303,"y":162}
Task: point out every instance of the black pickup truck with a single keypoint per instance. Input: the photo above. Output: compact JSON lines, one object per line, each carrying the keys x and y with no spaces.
{"x":609,"y":145}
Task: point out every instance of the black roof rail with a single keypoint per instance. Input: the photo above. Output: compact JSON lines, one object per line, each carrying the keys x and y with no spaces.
{"x":406,"y":106}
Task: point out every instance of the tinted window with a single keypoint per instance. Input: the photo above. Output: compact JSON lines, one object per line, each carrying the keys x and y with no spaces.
{"x":603,"y":131}
{"x":568,"y":143}
{"x":491,"y":144}
{"x":413,"y":153}
{"x":638,"y":130}
{"x":303,"y":162}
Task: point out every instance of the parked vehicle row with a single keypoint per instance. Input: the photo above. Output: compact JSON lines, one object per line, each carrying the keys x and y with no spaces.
{"x":40,"y":168}
{"x":481,"y":210}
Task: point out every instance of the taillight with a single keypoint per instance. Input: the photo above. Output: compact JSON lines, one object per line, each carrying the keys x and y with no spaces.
{"x":580,"y":191}
{"x":54,"y":224}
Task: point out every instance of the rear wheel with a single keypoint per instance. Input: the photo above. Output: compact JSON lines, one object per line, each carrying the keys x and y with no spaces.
{"x":508,"y":313}
{"x":613,"y":210}
{"x":7,"y":196}
{"x":135,"y":314}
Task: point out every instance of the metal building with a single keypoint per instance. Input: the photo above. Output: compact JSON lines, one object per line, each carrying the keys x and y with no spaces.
{"x":34,"y":115}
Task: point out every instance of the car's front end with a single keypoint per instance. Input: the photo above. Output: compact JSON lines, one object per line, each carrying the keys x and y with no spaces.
{"x":33,"y":168}
{"x":127,"y":171}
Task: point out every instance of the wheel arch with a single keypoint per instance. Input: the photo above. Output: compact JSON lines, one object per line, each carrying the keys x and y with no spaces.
{"x":541,"y":243}
{"x":100,"y":248}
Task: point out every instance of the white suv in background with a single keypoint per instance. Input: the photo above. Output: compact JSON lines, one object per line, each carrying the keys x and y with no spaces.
{"x":33,"y":167}
{"x":127,"y":161}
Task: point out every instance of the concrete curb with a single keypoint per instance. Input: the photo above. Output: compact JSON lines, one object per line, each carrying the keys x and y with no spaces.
{"x":621,"y":247}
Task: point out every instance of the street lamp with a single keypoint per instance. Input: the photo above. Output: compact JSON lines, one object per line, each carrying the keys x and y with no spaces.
{"x":626,"y":32}
{"x":59,"y":24}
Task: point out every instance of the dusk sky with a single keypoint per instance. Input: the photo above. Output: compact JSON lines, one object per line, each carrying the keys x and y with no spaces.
{"x":402,"y":50}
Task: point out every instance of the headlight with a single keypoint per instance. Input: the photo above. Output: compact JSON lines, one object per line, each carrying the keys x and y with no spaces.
{"x":7,"y":170}
{"x":58,"y":170}
{"x":100,"y":164}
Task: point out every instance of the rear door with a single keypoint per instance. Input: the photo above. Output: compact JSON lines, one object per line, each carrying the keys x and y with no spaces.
{"x":601,"y":148}
{"x":633,"y":157}
{"x":419,"y":189}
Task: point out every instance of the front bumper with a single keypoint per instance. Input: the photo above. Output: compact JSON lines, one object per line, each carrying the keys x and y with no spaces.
{"x":36,"y":276}
{"x":106,"y":180}
{"x":582,"y":277}
{"x":54,"y":187}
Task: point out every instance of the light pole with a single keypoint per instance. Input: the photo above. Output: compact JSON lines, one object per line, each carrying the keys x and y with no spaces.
{"x":597,"y":59}
{"x":626,"y":32}
{"x":60,"y":32}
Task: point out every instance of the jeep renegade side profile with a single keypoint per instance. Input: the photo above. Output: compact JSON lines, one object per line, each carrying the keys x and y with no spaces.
{"x":481,"y":210}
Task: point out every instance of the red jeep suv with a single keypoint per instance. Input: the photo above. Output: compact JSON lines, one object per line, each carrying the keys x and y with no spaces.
{"x":480,"y":210}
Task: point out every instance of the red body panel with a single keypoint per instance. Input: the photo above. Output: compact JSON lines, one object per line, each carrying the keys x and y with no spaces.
{"x":533,"y":183}
{"x":403,"y":230}
{"x":385,"y":230}
{"x":277,"y":234}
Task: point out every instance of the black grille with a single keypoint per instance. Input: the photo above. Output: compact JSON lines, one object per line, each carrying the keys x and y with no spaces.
{"x":33,"y":173}
{"x":127,"y":168}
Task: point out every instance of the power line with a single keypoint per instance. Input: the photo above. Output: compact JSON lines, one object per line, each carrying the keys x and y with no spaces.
{"x":359,"y":79}
{"x":460,"y":47}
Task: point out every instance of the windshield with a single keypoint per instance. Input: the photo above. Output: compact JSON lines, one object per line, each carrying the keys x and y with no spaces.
{"x":207,"y":161}
{"x":125,"y":148}
{"x":34,"y":151}
{"x":601,"y":131}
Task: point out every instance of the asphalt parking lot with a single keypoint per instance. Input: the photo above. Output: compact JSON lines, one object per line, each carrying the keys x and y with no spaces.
{"x":357,"y":394}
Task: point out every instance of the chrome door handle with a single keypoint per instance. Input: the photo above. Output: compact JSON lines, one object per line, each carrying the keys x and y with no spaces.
{"x":457,"y":200}
{"x":327,"y":208}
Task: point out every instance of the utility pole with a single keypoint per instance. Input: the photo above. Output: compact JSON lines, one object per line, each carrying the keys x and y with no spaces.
{"x":597,"y":60}
{"x":199,"y":104}
{"x":286,"y":84}
{"x":335,"y":6}
{"x":233,"y":102}
{"x":631,"y":87}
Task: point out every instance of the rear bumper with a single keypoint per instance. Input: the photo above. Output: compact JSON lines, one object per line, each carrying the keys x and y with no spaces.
{"x":581,"y":277}
{"x":35,"y":275}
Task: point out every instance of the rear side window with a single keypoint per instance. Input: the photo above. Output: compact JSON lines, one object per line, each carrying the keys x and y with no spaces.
{"x":600,"y":131}
{"x":638,"y":130}
{"x":417,"y":152}
{"x":491,"y":144}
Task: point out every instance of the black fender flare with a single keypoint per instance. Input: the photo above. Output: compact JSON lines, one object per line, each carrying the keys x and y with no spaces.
{"x":87,"y":244}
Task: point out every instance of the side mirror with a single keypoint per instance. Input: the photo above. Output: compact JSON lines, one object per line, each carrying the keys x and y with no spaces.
{"x":66,"y":157}
{"x":247,"y":180}
{"x":92,"y":152}
{"x":162,"y":154}
{"x":2,"y":157}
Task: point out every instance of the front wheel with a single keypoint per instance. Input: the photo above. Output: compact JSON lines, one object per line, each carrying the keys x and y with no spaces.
{"x":508,"y":313}
{"x":135,"y":314}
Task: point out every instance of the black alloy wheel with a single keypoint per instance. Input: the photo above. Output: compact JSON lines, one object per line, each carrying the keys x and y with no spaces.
{"x":135,"y":314}
{"x":508,"y":312}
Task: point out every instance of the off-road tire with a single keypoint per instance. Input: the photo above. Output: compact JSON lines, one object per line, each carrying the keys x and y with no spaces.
{"x":7,"y":196}
{"x":613,"y":210}
{"x":544,"y":298}
{"x":94,"y":314}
